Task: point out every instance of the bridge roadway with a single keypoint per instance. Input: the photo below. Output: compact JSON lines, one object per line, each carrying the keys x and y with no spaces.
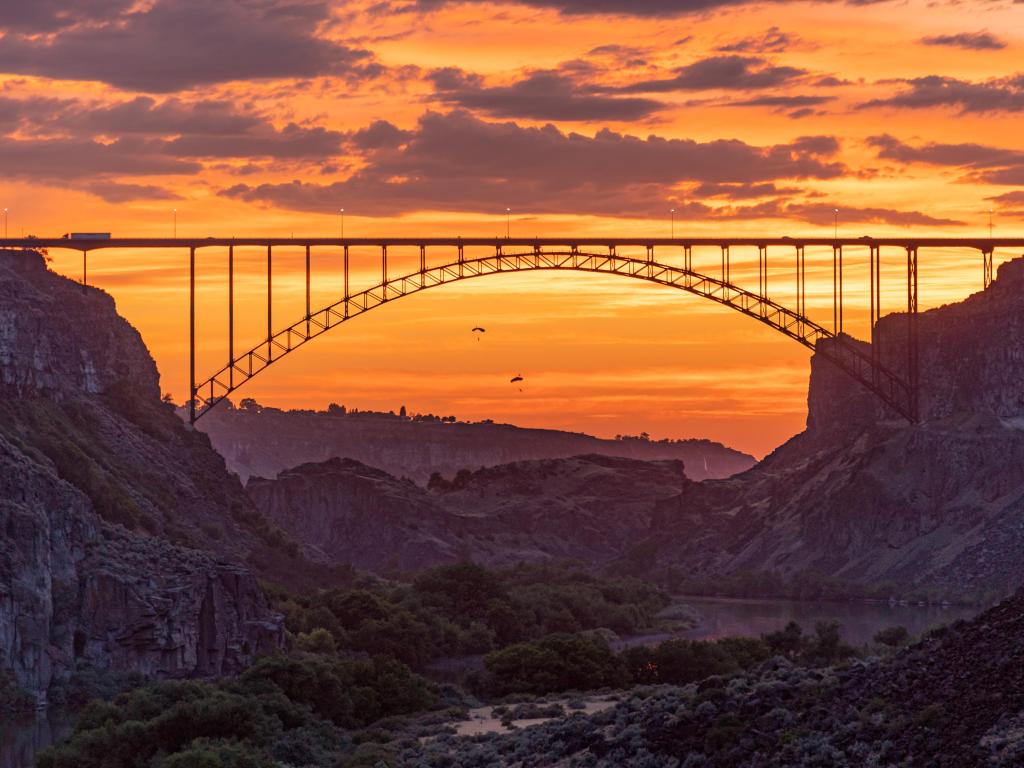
{"x":979,"y":243}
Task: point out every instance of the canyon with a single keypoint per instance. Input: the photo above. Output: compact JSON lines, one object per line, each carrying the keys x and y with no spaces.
{"x":932,"y":509}
{"x":104,"y":499}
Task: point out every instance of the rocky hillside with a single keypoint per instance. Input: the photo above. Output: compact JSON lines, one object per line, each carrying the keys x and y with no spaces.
{"x":865,"y":497}
{"x":259,"y":441}
{"x":954,"y":700}
{"x":106,"y":500}
{"x":860,"y":497}
{"x":586,"y":508}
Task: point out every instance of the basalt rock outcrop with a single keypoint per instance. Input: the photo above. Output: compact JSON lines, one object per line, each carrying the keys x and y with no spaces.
{"x":263,"y":442}
{"x":586,"y":508}
{"x":861,"y":497}
{"x":865,"y":497}
{"x":106,"y":501}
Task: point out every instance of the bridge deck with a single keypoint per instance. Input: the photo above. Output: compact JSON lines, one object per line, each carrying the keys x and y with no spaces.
{"x":979,"y":243}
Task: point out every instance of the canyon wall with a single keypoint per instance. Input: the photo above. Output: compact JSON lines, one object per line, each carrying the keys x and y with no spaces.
{"x":121,"y":533}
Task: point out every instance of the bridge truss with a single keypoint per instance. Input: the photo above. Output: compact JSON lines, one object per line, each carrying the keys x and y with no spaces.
{"x":897,"y":386}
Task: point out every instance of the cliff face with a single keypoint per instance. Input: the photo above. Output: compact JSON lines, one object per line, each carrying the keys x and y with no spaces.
{"x":860,"y":496}
{"x":863,"y":496}
{"x":95,"y":473}
{"x":265,"y":442}
{"x":587,"y":508}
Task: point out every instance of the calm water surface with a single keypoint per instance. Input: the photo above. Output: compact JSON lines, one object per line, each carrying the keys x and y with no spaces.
{"x":722,"y":617}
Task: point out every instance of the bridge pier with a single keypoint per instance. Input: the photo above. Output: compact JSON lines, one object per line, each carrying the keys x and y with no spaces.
{"x":270,"y":307}
{"x":307,"y":291}
{"x":192,"y":335}
{"x":346,"y":283}
{"x":231,"y":316}
{"x":912,"y":342}
{"x":986,"y":267}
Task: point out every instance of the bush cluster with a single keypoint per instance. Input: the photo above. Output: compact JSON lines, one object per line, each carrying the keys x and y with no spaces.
{"x":467,"y":609}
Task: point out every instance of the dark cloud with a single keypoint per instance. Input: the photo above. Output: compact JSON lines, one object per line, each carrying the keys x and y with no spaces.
{"x":144,"y":115}
{"x":740,"y":191}
{"x":986,"y":164}
{"x":457,"y":162}
{"x":774,"y":40}
{"x":380,"y":135}
{"x":178,"y":44}
{"x":821,"y":214}
{"x":35,"y":16}
{"x":966,"y":155}
{"x":197,"y":129}
{"x":116,"y":192}
{"x":782,"y":102}
{"x":974,"y":41}
{"x":1009,"y":198}
{"x":643,"y":8}
{"x":77,"y":159}
{"x":542,"y":95}
{"x":289,"y":143}
{"x":721,"y":73}
{"x":1001,"y":95}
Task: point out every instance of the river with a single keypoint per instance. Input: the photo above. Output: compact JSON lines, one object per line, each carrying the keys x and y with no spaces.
{"x":20,"y":740}
{"x":725,"y":617}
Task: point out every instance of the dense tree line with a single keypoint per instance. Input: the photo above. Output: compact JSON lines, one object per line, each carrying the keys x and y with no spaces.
{"x":466,"y":609}
{"x":586,"y":662}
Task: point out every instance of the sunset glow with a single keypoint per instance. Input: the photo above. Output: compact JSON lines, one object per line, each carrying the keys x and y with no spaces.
{"x":581,"y":118}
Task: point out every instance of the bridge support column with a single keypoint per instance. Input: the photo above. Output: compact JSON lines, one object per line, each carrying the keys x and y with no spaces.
{"x":345,"y":298}
{"x":384,"y":271}
{"x":423,"y":265}
{"x":231,"y":316}
{"x":912,"y":341}
{"x":270,"y":311}
{"x":192,"y":335}
{"x":307,"y":293}
{"x":986,"y":267}
{"x":801,"y":286}
{"x":688,"y":258}
{"x":840,"y":294}
{"x":725,"y":264}
{"x":876,"y":309}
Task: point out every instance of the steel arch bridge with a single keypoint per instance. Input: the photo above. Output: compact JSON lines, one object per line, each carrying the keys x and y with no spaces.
{"x":896,"y":388}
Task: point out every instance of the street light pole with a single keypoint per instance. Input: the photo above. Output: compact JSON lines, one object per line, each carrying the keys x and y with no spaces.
{"x":342,"y":212}
{"x":989,"y":223}
{"x":5,"y":223}
{"x":175,"y":223}
{"x":673,"y":212}
{"x":835,"y":233}
{"x":508,"y":223}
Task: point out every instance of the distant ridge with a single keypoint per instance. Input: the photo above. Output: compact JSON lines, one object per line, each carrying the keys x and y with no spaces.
{"x":261,"y":441}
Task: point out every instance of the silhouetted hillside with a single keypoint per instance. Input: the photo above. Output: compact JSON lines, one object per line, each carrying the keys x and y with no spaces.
{"x":260,"y":441}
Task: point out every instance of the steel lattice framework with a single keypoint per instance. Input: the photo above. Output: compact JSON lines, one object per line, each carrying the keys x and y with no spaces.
{"x":890,"y":387}
{"x":896,"y":388}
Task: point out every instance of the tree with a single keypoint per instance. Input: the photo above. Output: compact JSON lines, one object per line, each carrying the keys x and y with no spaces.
{"x":892,"y":636}
{"x":786,"y":642}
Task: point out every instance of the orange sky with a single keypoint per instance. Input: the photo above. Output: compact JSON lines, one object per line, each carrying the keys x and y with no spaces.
{"x":429,"y":117}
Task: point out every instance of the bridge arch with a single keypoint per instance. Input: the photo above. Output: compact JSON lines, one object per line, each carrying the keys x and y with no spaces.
{"x":840,"y":349}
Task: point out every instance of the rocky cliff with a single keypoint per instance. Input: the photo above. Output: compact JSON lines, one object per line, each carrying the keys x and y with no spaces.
{"x":865,"y":497}
{"x":586,"y":508}
{"x":106,"y":500}
{"x":262,"y":442}
{"x":861,"y":496}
